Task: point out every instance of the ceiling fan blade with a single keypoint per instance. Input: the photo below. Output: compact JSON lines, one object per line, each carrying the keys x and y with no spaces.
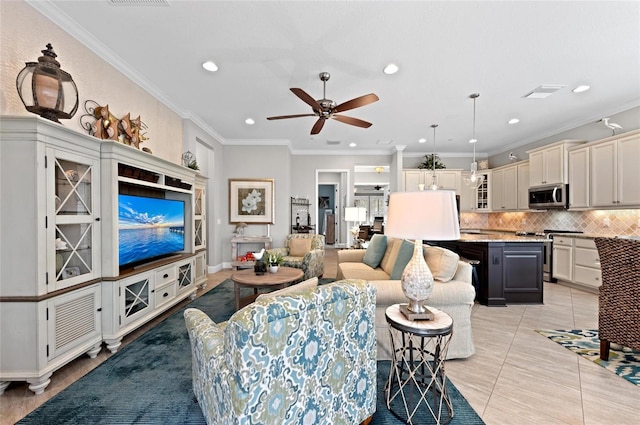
{"x":357,"y":102}
{"x":306,"y":98}
{"x":318,"y":126}
{"x":281,"y":117}
{"x":352,"y":121}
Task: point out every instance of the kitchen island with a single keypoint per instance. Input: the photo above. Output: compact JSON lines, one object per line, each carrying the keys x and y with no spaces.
{"x":509,"y":269}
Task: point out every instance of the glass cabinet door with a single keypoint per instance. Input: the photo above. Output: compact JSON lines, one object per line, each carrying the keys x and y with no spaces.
{"x":185,"y":275}
{"x":199,"y":223}
{"x":135,"y":293}
{"x":72,"y":220}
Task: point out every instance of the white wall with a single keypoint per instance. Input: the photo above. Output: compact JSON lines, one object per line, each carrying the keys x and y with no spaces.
{"x":25,"y":32}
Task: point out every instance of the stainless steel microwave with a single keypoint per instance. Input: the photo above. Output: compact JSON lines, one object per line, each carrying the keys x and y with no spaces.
{"x":552,"y":196}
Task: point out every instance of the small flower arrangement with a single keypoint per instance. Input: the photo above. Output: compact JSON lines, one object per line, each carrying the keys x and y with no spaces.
{"x":355,"y":231}
{"x":274,"y":259}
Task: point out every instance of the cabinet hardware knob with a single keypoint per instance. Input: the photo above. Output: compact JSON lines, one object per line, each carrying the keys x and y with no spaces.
{"x":165,"y":275}
{"x":97,"y":218}
{"x":166,"y":294}
{"x":100,"y":309}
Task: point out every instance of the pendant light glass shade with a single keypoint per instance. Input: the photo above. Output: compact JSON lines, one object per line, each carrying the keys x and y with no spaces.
{"x":474,"y":180}
{"x":434,"y":177}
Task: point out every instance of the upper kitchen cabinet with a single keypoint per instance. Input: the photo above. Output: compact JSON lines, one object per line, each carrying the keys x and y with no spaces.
{"x":615,"y":181}
{"x":579,"y":172}
{"x":445,"y":179}
{"x":476,"y":199}
{"x":504,"y":188}
{"x":548,"y":164}
{"x":523,"y":185}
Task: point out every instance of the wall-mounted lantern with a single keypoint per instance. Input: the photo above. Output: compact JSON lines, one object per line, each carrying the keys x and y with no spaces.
{"x":47,"y":90}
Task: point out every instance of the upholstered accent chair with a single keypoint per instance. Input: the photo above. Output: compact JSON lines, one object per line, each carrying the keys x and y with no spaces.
{"x":294,"y":358}
{"x":618,"y":312}
{"x":303,"y":251}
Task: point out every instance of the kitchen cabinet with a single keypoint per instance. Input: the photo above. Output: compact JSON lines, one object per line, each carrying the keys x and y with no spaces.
{"x":576,"y":261}
{"x":615,"y":181}
{"x":548,"y":164}
{"x":523,"y":185}
{"x":504,"y":188}
{"x":508,"y":272}
{"x":586,"y":264}
{"x":445,"y":179}
{"x":476,"y":199}
{"x":562,"y":258}
{"x":579,"y":173}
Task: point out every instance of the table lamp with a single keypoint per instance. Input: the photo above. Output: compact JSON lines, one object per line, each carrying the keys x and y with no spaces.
{"x":355,"y":214}
{"x":430,"y":215}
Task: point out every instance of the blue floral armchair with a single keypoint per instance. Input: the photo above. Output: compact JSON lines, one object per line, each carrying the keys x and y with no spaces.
{"x":311,"y":261}
{"x":289,"y":359}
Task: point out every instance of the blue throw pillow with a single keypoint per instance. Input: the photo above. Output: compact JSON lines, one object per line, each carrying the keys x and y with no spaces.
{"x":404,"y":256}
{"x":375,"y":251}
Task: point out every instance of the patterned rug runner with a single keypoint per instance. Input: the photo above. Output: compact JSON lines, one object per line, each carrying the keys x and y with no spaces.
{"x":585,"y":342}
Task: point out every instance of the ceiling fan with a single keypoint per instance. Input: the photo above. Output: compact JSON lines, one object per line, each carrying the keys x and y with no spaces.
{"x":326,"y":108}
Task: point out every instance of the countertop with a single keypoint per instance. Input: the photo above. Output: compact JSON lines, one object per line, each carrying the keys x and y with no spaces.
{"x":498,"y":237}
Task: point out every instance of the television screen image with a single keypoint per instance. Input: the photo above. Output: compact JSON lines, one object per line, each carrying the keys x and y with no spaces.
{"x":148,"y":228}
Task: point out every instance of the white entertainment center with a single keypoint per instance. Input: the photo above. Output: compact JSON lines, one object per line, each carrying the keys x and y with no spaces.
{"x":63,"y":290}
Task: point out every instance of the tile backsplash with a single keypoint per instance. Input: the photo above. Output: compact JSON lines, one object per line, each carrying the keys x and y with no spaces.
{"x":596,"y":222}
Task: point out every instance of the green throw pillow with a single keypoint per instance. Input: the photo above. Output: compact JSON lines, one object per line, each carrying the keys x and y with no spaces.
{"x":375,"y":251}
{"x":404,"y":256}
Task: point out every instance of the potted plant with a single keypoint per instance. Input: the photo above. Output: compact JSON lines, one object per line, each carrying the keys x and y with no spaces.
{"x":274,"y":260}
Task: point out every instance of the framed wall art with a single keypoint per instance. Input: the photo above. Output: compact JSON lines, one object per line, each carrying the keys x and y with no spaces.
{"x":251,"y":201}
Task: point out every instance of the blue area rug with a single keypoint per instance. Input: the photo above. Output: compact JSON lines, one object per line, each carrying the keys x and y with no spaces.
{"x":585,"y":342}
{"x":149,"y":381}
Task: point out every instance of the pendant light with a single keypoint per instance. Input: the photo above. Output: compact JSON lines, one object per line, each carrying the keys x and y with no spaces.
{"x":474,"y":180}
{"x":434,"y":178}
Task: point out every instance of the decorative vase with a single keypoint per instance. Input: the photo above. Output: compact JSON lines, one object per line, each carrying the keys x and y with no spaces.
{"x":273,"y":269}
{"x":260,"y":267}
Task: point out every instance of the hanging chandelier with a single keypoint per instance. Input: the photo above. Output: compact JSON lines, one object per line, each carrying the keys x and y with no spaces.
{"x":474,"y":180}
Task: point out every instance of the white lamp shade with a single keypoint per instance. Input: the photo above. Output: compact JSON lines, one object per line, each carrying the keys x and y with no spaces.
{"x":430,"y":215}
{"x":355,"y":214}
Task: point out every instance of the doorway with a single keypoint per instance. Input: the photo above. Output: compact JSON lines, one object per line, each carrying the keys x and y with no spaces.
{"x":331,"y":195}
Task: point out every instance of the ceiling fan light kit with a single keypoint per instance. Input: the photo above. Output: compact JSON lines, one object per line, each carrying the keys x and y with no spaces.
{"x":326,"y":109}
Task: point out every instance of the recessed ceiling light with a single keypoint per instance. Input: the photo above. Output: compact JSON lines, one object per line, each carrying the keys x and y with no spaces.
{"x":473,"y":141}
{"x":392,"y":68}
{"x":353,"y":145}
{"x":581,"y":88}
{"x":422,"y":140}
{"x":249,"y":121}
{"x":210,"y":66}
{"x":514,"y":121}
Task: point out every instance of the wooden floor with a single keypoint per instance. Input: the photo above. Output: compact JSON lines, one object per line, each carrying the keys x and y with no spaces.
{"x":515,"y":377}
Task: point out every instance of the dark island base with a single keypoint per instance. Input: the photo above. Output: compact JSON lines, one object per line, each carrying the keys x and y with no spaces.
{"x":508,"y":273}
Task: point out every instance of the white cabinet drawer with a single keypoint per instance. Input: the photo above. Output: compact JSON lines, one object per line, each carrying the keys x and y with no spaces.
{"x":585,"y":243}
{"x":166,"y":275}
{"x":586,"y":257}
{"x":165,"y":294}
{"x":562,"y":240}
{"x":587,"y":276}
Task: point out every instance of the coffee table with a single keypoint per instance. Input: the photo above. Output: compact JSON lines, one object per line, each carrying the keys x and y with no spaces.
{"x":247,"y":278}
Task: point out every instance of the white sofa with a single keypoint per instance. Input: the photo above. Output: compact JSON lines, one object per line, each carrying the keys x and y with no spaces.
{"x":455,"y":297}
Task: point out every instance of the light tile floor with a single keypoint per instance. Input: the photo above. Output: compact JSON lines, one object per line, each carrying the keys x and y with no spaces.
{"x":516,"y":376}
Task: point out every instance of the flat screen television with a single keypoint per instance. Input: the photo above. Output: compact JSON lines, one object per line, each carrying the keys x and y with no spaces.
{"x":148,"y":229}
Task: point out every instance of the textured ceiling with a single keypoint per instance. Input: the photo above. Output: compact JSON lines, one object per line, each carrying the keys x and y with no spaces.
{"x":445,"y":51}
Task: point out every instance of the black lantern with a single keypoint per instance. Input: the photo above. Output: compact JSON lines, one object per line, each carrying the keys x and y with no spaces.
{"x":47,"y":90}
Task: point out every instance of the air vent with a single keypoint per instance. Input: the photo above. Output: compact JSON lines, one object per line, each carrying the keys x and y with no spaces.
{"x":543,"y":91}
{"x":383,"y":142}
{"x":162,"y":3}
{"x":333,"y":142}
